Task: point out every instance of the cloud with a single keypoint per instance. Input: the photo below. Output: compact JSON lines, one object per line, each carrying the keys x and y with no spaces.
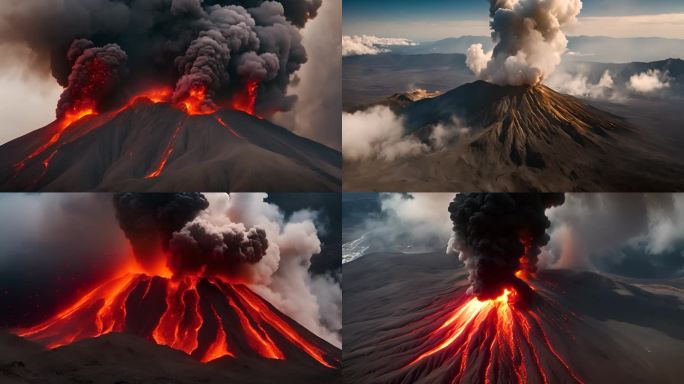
{"x":615,"y":232}
{"x":316,"y":115}
{"x":282,"y":276}
{"x":668,"y":25}
{"x":579,"y":85}
{"x":405,"y":222}
{"x":370,"y":45}
{"x":378,"y":133}
{"x":648,"y":82}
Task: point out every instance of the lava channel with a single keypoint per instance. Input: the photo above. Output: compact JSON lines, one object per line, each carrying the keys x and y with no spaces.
{"x":494,"y":341}
{"x":206,"y":318}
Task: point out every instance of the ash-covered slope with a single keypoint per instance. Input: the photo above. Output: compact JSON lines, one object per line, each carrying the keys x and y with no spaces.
{"x":157,"y":147}
{"x":521,"y":139}
{"x":602,"y":329}
{"x":126,"y":358}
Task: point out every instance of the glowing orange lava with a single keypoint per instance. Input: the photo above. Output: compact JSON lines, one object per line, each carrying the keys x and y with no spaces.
{"x":246,"y":100}
{"x":165,"y":156}
{"x":195,"y":103}
{"x":220,"y":121}
{"x":70,"y":117}
{"x":494,"y":341}
{"x":192,"y":307}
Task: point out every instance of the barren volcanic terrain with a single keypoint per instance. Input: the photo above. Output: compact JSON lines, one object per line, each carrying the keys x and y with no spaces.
{"x":408,"y":319}
{"x":157,"y":147}
{"x":527,"y":138}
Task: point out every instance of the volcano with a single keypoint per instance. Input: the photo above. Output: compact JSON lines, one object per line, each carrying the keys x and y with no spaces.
{"x":525,"y":138}
{"x":408,"y":319}
{"x":152,"y":145}
{"x":207,"y":319}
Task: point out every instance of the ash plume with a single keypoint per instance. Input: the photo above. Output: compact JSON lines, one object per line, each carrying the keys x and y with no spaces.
{"x":95,"y":74}
{"x":498,"y":235}
{"x":215,"y":45}
{"x":201,"y":248}
{"x":529,"y":41}
{"x":150,"y":219}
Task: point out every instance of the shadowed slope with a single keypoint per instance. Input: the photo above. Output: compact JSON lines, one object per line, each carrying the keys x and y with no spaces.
{"x":156,"y":147}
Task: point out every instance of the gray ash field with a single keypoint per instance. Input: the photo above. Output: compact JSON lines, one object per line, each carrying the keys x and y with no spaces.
{"x":599,"y":328}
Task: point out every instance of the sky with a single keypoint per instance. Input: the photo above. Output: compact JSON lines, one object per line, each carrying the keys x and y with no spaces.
{"x":437,"y":19}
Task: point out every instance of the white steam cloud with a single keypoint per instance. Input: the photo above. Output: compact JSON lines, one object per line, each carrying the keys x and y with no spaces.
{"x":378,"y":133}
{"x":592,"y":229}
{"x":529,"y":41}
{"x":648,"y":82}
{"x":579,"y":85}
{"x":370,"y":45}
{"x":282,"y":276}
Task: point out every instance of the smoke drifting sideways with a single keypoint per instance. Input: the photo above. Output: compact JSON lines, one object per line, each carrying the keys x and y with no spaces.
{"x":529,"y":41}
{"x":106,"y":51}
{"x":499,"y":235}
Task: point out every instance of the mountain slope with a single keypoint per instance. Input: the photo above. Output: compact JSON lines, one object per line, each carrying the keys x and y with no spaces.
{"x":156,"y":147}
{"x":394,"y":304}
{"x":521,"y":139}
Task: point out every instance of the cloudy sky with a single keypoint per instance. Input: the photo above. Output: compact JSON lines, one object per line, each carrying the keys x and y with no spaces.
{"x":435,"y":19}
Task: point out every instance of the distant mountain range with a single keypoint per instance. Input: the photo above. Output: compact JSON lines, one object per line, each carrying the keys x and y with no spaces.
{"x":585,"y":48}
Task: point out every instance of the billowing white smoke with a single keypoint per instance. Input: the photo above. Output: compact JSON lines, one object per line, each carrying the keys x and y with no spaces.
{"x":282,"y":275}
{"x":593,"y":229}
{"x":529,"y":40}
{"x":579,"y":85}
{"x":648,"y":82}
{"x":370,"y":45}
{"x":378,"y":133}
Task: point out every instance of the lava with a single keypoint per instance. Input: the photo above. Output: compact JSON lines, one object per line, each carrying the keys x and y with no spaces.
{"x":196,"y":103}
{"x":165,"y":156}
{"x":179,"y":312}
{"x":223,"y":123}
{"x":246,"y":100}
{"x":494,"y":341}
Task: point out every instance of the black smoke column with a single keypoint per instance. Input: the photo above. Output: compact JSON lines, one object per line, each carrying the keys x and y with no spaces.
{"x":150,"y":219}
{"x":498,"y":235}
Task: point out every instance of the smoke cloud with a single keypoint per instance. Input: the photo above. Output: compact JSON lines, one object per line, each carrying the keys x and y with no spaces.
{"x":637,"y":235}
{"x":388,"y":139}
{"x":149,"y":221}
{"x":497,"y":235}
{"x":579,"y":85}
{"x":185,"y":44}
{"x":648,"y":82}
{"x":529,"y":41}
{"x":359,"y":45}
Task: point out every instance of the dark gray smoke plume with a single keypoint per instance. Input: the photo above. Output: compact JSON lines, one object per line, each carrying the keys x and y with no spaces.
{"x":497,"y":235}
{"x":150,"y":219}
{"x":96,"y":72}
{"x":200,"y":249}
{"x":217,"y":45}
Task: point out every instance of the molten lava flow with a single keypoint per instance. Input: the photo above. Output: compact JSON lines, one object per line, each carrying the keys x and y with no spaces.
{"x":219,"y":348}
{"x":271,"y":318}
{"x":246,"y":100}
{"x":165,"y":156}
{"x":223,"y":123}
{"x":86,"y":109}
{"x":494,"y":341}
{"x":196,"y":103}
{"x":207,"y":319}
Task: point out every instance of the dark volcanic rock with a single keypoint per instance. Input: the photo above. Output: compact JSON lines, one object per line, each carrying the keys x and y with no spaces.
{"x":116,"y":151}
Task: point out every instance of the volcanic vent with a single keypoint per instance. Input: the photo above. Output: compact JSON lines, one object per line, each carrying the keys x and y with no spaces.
{"x":186,"y":287}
